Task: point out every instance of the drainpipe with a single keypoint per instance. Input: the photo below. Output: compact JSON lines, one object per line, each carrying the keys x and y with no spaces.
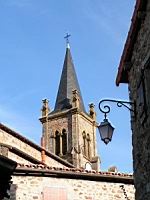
{"x":43,"y":157}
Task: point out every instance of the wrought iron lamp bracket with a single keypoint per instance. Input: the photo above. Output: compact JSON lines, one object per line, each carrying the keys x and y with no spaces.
{"x":106,"y":108}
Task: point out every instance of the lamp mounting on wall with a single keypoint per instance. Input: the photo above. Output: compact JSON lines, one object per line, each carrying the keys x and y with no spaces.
{"x":105,"y":128}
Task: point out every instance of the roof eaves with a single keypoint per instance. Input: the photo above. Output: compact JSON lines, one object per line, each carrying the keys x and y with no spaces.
{"x":122,"y":75}
{"x":74,"y":173}
{"x":7,"y":164}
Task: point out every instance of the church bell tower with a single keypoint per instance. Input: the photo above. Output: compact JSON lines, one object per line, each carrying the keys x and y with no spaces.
{"x":69,"y":131}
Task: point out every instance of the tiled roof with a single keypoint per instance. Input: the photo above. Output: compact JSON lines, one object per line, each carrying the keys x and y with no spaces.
{"x":74,"y":170}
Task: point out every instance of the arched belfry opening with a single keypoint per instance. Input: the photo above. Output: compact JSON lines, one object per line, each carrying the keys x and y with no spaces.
{"x":88,"y":146}
{"x":64,"y":142}
{"x":84,"y":143}
{"x":57,"y":143}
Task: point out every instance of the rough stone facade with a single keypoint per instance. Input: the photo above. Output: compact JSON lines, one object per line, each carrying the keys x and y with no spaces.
{"x":139,"y":88}
{"x":50,"y":188}
{"x":135,"y":62}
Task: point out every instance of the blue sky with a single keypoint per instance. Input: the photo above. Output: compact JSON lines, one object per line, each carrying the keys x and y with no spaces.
{"x":32,"y":49}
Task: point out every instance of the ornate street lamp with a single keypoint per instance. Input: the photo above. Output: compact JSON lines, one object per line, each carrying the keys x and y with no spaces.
{"x":105,"y":128}
{"x":106,"y":131}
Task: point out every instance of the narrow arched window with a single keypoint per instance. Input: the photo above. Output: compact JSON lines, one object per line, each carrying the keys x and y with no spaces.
{"x":57,"y":143}
{"x":84,"y":143}
{"x":64,"y":142}
{"x":51,"y":144}
{"x":88,"y":146}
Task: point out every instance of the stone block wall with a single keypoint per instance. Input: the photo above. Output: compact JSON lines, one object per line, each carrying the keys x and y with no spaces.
{"x":17,"y":158}
{"x":90,"y":128}
{"x":9,"y":139}
{"x":139,"y":90}
{"x":54,"y":124}
{"x":50,"y":188}
{"x":75,"y":123}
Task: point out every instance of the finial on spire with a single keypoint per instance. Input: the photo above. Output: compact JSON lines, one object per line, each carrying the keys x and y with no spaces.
{"x":67,"y":40}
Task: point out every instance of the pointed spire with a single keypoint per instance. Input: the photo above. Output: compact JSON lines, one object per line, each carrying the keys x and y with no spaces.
{"x":68,"y":46}
{"x":68,"y":83}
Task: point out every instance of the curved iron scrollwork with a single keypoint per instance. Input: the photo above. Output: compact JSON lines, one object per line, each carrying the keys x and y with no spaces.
{"x":106,"y":108}
{"x":124,"y":192}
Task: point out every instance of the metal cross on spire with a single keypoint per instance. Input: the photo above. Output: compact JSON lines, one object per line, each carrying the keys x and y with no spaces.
{"x":67,"y":39}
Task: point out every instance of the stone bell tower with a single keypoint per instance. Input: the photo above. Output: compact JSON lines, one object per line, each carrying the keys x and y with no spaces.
{"x":69,"y":131}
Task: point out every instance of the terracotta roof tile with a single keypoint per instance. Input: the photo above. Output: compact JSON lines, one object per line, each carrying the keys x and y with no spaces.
{"x":74,"y":170}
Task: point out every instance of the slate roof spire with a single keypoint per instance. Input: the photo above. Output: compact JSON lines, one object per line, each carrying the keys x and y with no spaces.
{"x":68,"y":83}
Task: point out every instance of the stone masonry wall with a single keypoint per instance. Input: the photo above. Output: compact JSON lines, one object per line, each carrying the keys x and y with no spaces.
{"x":139,"y":88}
{"x":89,"y":128}
{"x":74,"y":123}
{"x":17,"y":158}
{"x":8,"y":139}
{"x":36,"y":188}
{"x":56,"y":124}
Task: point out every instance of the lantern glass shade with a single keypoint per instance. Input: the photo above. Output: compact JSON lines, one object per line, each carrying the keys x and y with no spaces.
{"x":106,"y":131}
